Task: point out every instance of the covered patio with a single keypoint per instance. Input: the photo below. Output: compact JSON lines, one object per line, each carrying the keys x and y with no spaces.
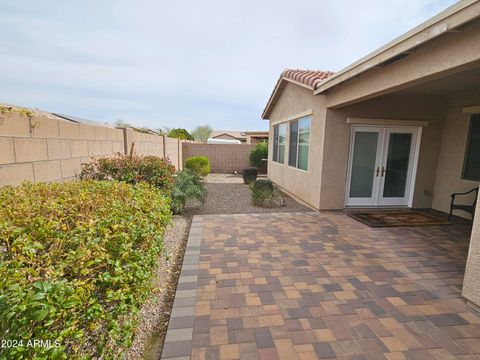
{"x":322,"y":285}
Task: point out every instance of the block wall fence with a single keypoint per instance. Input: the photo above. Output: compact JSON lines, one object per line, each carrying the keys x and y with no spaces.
{"x":224,"y":158}
{"x":45,"y":149}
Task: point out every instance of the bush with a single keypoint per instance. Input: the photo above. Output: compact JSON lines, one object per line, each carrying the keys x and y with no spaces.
{"x":263,"y":184}
{"x":265,"y":195}
{"x":187,"y":187}
{"x":249,"y":175}
{"x":200,"y":165}
{"x":180,"y":134}
{"x":131,"y":169}
{"x":259,"y":152}
{"x":76,"y":260}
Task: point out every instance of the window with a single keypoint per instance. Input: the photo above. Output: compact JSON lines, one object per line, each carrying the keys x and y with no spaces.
{"x":471,"y":168}
{"x":299,"y":143}
{"x":279,"y":140}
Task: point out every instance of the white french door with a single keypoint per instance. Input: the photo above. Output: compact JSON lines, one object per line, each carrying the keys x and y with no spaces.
{"x":381,"y":166}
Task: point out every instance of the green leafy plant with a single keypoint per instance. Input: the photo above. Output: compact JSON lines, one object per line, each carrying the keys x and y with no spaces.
{"x":202,"y":133}
{"x":76,"y":260}
{"x":249,"y":175}
{"x":264,"y":194}
{"x":263,"y":184}
{"x":131,"y":169}
{"x":200,"y":165}
{"x":187,"y":188}
{"x":258,"y":154}
{"x":180,"y":134}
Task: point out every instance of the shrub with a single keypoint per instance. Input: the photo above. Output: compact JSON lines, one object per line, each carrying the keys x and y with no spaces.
{"x":187,"y":187}
{"x":259,"y":152}
{"x":131,"y":169}
{"x":249,"y":175}
{"x":180,"y":134}
{"x":76,"y":260}
{"x":263,"y":184}
{"x":200,"y":165}
{"x":265,"y":195}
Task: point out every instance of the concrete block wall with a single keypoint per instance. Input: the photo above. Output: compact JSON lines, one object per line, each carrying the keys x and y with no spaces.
{"x":44,"y":149}
{"x":224,"y":158}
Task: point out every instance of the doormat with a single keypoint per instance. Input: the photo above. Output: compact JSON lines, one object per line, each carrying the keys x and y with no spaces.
{"x":396,"y":218}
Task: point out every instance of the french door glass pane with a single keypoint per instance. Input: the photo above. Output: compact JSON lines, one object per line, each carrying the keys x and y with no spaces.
{"x":292,"y":148}
{"x":397,"y":165}
{"x":363,"y":164}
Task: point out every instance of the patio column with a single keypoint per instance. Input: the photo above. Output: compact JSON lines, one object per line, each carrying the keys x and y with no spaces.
{"x":471,"y":283}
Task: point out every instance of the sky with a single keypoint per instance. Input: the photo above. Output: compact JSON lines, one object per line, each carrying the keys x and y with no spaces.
{"x":165,"y":64}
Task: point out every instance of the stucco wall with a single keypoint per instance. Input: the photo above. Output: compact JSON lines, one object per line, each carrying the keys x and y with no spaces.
{"x":337,"y":144}
{"x":304,"y":185}
{"x":44,"y":149}
{"x":471,"y":283}
{"x":224,"y":158}
{"x":452,"y":152}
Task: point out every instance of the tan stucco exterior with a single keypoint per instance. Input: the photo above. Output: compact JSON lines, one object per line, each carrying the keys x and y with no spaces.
{"x":295,"y":102}
{"x":404,"y":108}
{"x":471,"y":283}
{"x":428,"y":85}
{"x":452,"y":151}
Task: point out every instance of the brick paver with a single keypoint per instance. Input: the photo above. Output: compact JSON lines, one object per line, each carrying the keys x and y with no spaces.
{"x":321,"y":286}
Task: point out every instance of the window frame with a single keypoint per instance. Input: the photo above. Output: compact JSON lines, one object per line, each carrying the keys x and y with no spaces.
{"x":277,"y":144}
{"x":473,"y":118}
{"x":299,"y":132}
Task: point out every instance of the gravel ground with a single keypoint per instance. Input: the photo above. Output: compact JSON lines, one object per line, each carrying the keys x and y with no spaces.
{"x":155,"y":313}
{"x":227,"y":194}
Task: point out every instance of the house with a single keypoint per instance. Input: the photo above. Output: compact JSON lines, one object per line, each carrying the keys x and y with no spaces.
{"x":245,"y":137}
{"x":399,"y":127}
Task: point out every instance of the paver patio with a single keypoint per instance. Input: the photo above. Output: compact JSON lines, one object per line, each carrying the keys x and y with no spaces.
{"x":321,"y":285}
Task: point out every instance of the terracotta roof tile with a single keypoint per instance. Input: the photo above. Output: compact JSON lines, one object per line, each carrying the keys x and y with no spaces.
{"x":308,"y":77}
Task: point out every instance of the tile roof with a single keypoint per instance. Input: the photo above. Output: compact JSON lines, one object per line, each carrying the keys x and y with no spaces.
{"x":306,"y":78}
{"x":311,"y":78}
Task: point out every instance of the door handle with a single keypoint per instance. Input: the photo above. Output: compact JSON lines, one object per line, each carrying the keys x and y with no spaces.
{"x":383,"y":171}
{"x":378,"y":170}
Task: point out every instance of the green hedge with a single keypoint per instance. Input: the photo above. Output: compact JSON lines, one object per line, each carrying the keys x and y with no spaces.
{"x":131,"y":169}
{"x":258,"y":154}
{"x":200,"y":165}
{"x":76,"y":261}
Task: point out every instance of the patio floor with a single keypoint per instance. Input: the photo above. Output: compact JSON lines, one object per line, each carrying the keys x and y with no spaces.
{"x":321,"y":285}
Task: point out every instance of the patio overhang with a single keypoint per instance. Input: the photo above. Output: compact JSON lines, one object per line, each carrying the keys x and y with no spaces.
{"x":444,"y":45}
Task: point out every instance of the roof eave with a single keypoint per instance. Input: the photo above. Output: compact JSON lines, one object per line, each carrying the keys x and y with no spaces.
{"x":266,"y":112}
{"x":446,"y":21}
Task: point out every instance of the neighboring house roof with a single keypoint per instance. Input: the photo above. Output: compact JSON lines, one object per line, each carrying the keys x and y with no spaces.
{"x":256,"y":133}
{"x":232,"y":133}
{"x":50,"y":115}
{"x":307,"y":78}
{"x":81,"y":120}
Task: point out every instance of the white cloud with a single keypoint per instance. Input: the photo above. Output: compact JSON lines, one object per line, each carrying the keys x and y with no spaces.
{"x":183,"y":63}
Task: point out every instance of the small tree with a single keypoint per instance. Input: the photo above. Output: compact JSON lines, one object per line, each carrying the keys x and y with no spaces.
{"x":122,"y":124}
{"x":180,"y":133}
{"x":202,"y":133}
{"x":258,"y":154}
